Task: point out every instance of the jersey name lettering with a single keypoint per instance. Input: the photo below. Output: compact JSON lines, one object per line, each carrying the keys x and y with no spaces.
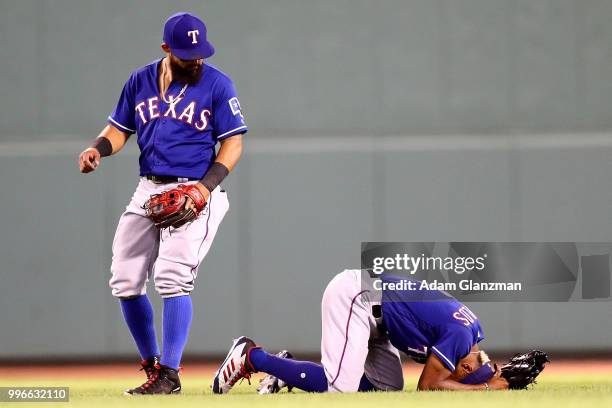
{"x":465,"y":316}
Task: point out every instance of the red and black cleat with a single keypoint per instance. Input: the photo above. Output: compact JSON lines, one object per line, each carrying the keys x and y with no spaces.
{"x":164,"y":380}
{"x":148,"y":366}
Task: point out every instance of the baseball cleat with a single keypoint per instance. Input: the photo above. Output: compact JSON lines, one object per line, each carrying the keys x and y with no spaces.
{"x":235,"y":366}
{"x":148,"y":366}
{"x":271,"y":384}
{"x":164,"y":380}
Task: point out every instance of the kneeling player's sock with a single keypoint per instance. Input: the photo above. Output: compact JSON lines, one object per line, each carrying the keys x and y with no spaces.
{"x":176,"y":324}
{"x":365,"y":385}
{"x":304,"y":375}
{"x":138,"y":314}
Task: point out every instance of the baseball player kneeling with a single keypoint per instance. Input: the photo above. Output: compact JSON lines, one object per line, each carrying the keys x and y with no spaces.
{"x":180,"y":108}
{"x":362,"y":331}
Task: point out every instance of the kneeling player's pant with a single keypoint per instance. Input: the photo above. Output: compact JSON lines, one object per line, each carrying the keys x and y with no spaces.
{"x":351,"y":345}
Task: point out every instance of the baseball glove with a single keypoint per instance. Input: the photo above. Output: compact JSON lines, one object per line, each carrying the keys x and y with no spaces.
{"x":522,"y":369}
{"x":167,"y":209}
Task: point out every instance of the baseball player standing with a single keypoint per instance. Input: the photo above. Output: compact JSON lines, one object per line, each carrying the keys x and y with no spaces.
{"x":179,"y":107}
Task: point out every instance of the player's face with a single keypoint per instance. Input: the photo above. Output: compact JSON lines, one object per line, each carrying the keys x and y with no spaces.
{"x":466,"y":366}
{"x":187,"y":71}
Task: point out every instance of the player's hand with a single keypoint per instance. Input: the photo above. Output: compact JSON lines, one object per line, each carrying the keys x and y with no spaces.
{"x":89,"y":160}
{"x":497,"y":382}
{"x":189,"y":204}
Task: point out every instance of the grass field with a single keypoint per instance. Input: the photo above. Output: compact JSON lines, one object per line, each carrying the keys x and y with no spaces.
{"x":560,"y":388}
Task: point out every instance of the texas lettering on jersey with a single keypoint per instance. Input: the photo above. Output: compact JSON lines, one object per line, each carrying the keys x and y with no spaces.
{"x":149,"y":110}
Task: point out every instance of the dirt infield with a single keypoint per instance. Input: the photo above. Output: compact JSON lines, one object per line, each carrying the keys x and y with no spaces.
{"x":207,"y":369}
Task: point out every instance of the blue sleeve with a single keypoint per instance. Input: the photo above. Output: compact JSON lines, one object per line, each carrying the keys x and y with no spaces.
{"x":227,"y":113}
{"x":453,"y":344}
{"x":123,"y":115}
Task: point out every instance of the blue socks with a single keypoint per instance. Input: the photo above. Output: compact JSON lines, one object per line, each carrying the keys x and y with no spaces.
{"x":365,"y":385}
{"x":304,"y":375}
{"x":138,"y":314}
{"x":177,"y":321}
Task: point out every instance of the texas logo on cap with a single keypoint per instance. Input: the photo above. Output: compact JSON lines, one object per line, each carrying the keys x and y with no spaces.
{"x":185,"y":34}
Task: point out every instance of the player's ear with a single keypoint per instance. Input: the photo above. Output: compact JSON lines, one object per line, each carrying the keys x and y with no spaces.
{"x":165,"y":48}
{"x":467,"y":367}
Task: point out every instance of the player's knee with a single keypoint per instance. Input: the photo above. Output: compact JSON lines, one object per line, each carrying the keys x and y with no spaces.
{"x":343,"y":386}
{"x":172,"y":290}
{"x":172,"y":279}
{"x":125,"y":285}
{"x":340,"y":377}
{"x":126,"y":291}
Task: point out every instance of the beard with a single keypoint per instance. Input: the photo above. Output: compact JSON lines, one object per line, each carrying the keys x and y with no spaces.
{"x":187,"y":75}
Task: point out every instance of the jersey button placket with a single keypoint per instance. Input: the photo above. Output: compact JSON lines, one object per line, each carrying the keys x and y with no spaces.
{"x":161,"y":123}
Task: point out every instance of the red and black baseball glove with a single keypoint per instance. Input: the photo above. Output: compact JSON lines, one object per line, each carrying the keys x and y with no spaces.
{"x":167,"y":209}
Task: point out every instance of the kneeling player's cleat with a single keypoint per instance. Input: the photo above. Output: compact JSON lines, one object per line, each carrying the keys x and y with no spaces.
{"x":235,"y":367}
{"x":271,"y":384}
{"x":148,"y":366}
{"x":164,"y":380}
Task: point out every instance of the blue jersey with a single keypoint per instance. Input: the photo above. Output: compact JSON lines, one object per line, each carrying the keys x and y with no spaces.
{"x":177,"y":137}
{"x":429,"y":322}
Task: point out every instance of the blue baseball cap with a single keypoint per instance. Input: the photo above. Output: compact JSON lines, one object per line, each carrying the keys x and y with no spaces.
{"x":185,"y":34}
